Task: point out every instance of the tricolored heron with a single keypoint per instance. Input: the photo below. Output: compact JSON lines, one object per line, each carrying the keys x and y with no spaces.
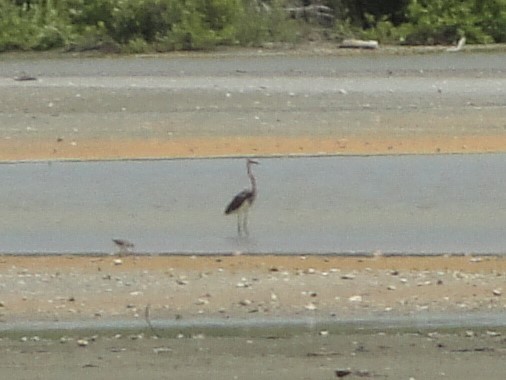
{"x":243,"y":201}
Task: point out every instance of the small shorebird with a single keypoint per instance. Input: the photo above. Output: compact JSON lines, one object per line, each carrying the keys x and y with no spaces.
{"x":243,"y":201}
{"x":124,"y":246}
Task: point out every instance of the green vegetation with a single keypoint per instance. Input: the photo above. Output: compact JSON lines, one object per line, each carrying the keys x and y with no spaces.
{"x":442,"y":22}
{"x":165,"y":25}
{"x":141,"y":25}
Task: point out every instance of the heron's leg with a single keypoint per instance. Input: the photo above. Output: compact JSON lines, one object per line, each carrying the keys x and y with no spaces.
{"x":239,"y":223}
{"x":245,"y":223}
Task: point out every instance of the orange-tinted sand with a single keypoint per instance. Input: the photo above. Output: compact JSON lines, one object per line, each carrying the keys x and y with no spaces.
{"x":486,"y":264}
{"x":95,"y":288}
{"x":128,"y":148}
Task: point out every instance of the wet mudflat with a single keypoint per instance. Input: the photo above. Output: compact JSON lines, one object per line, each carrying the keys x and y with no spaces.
{"x":258,"y":63}
{"x":375,"y":354}
{"x":392,"y":204}
{"x":138,"y":107}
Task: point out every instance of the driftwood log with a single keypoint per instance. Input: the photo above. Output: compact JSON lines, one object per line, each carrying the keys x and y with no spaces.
{"x":359,"y":44}
{"x":459,"y":46}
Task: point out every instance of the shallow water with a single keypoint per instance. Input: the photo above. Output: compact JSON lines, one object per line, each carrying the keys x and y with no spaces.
{"x":396,"y":204}
{"x":257,"y":326}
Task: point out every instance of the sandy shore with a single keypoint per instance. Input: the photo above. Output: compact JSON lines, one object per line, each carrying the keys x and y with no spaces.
{"x":26,"y":150}
{"x":291,"y":103}
{"x":103,"y":288}
{"x":311,"y":289}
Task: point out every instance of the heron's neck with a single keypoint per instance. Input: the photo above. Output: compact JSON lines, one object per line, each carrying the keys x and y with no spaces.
{"x":252,"y":179}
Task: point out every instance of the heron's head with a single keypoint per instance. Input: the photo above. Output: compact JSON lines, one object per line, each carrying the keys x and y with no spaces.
{"x":251,"y":161}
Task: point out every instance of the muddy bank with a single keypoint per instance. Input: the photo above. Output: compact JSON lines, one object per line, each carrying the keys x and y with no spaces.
{"x":319,"y":291}
{"x":170,"y":106}
{"x":423,"y":354}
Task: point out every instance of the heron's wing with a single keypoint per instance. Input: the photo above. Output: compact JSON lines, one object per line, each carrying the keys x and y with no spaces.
{"x":238,"y":201}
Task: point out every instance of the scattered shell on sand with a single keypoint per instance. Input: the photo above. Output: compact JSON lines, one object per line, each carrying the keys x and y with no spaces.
{"x":82,"y":342}
{"x":355,"y":299}
{"x":161,"y":350}
{"x":497,"y":292}
{"x":459,"y":275}
{"x":245,"y":302}
{"x":310,"y":306}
